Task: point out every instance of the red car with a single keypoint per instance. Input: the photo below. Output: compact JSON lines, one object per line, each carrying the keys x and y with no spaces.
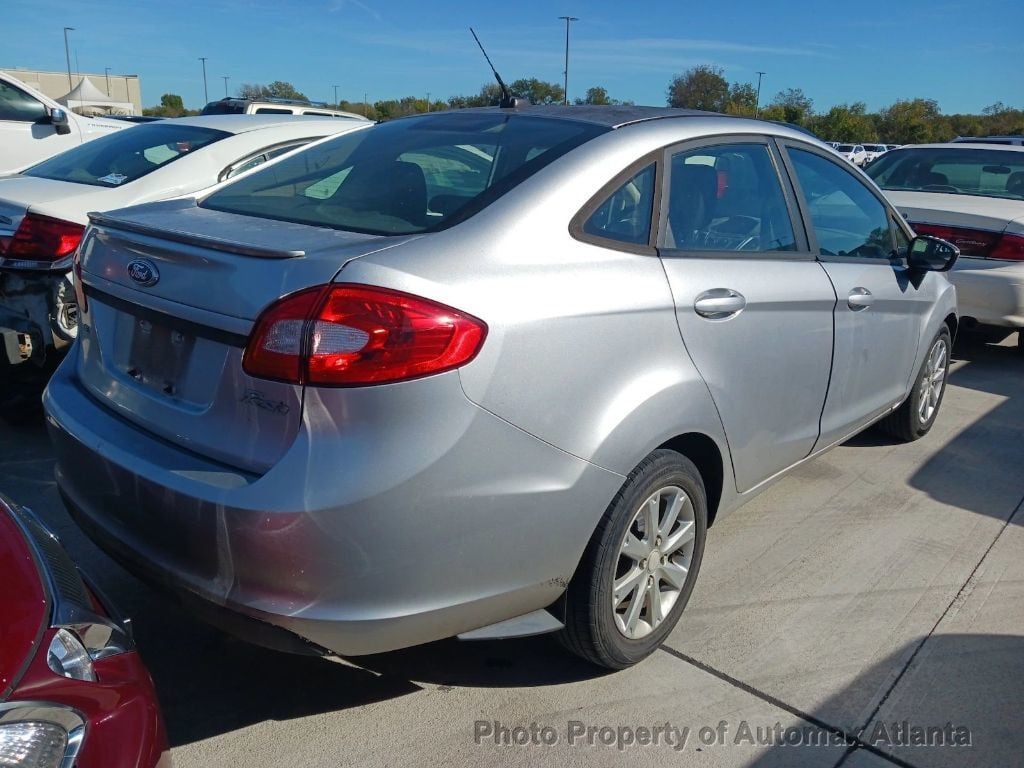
{"x":73,"y":691}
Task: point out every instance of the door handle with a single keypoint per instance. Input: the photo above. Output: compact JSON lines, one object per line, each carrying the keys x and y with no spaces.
{"x":719,"y":303}
{"x":860,"y":299}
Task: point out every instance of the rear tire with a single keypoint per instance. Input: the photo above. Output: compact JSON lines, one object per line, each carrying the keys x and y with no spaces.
{"x":913,"y":420}
{"x":648,"y":545}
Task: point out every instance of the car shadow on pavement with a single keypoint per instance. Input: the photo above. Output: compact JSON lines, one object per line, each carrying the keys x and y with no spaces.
{"x":962,"y":686}
{"x":979,"y":468}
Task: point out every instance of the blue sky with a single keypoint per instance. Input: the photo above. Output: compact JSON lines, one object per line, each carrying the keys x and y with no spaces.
{"x":966,"y":55}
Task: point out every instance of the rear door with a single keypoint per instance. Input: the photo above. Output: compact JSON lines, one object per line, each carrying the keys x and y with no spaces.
{"x":881,"y":308}
{"x":753,"y":305}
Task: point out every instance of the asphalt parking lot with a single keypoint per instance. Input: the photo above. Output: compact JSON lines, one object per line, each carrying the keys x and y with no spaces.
{"x":879,"y":587}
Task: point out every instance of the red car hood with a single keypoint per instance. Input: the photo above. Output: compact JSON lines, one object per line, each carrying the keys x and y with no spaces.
{"x":23,"y":603}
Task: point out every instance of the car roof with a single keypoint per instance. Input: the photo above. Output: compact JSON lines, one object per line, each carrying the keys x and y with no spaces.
{"x":244,"y":123}
{"x":612,"y":116}
{"x":966,"y":145}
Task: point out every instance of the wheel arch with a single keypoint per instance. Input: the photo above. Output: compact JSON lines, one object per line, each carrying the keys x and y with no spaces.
{"x":952,"y":322}
{"x":706,"y":456}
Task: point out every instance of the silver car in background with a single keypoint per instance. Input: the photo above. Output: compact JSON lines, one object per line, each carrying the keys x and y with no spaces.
{"x":485,"y":373}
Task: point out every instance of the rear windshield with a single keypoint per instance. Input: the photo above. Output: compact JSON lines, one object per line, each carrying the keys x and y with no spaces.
{"x":845,"y":148}
{"x":405,"y":176}
{"x":122,"y":157}
{"x":224,"y":108}
{"x":954,"y":170}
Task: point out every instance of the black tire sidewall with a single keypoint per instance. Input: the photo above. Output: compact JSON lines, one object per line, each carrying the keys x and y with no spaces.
{"x":665,"y":468}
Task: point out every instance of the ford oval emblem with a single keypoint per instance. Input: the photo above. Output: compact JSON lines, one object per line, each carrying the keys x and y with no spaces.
{"x":143,"y":272}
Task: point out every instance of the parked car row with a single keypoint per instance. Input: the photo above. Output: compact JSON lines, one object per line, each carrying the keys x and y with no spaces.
{"x":479,"y":373}
{"x":861,"y":155}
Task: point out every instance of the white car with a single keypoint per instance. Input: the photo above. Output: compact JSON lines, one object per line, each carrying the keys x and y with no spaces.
{"x":34,"y":127}
{"x":44,"y":211}
{"x":973,"y":196}
{"x":271,"y":106}
{"x":873,"y":151}
{"x":853,"y":152}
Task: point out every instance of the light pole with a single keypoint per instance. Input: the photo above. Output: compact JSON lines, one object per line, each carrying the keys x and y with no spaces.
{"x":226,"y":78}
{"x":336,"y":102}
{"x":757,"y":103}
{"x":106,"y":73}
{"x":568,"y":20}
{"x":67,"y":54}
{"x":206,"y":95}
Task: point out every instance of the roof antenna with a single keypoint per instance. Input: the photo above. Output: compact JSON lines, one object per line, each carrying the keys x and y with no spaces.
{"x":508,"y":101}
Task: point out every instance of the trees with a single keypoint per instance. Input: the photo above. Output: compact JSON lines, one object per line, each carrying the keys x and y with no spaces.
{"x":171,"y":105}
{"x":279,"y":89}
{"x":538,"y":91}
{"x":913,"y":121}
{"x":742,"y":99}
{"x":792,"y":106}
{"x":700,"y":87}
{"x":596,"y":95}
{"x":845,"y":122}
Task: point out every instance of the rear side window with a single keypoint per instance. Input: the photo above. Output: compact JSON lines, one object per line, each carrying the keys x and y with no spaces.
{"x":405,"y":176}
{"x":727,"y":198}
{"x":273,"y":111}
{"x":127,"y":155}
{"x":848,"y":219}
{"x":626,"y":214}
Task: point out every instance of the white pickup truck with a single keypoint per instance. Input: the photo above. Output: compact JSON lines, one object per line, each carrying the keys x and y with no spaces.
{"x":34,"y":127}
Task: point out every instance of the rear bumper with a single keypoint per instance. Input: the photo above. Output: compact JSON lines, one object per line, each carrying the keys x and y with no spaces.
{"x":440,"y":520}
{"x":991,"y":292}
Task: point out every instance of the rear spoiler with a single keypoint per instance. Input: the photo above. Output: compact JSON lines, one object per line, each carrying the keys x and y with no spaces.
{"x":190,"y":238}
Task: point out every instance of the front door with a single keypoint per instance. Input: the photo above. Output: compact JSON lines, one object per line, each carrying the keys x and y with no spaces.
{"x":26,"y":134}
{"x":879,"y":309}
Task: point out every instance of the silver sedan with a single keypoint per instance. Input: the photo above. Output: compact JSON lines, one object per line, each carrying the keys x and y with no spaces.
{"x":485,"y":373}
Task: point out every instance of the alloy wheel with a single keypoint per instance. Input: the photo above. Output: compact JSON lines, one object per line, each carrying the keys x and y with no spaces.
{"x":932,"y":381}
{"x":654,"y":560}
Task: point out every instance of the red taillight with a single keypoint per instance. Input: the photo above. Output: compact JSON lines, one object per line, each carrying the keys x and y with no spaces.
{"x":350,"y":335}
{"x":977,"y":242}
{"x":40,"y":238}
{"x":1009,"y":247}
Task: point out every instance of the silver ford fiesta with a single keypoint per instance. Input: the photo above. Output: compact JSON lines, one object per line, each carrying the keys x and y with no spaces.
{"x":485,"y":373}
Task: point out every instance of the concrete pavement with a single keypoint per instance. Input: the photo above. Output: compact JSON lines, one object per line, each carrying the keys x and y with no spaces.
{"x":880,"y":584}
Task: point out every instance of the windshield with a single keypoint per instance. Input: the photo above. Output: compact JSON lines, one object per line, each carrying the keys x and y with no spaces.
{"x":405,"y":176}
{"x":129,"y":154}
{"x":953,"y":170}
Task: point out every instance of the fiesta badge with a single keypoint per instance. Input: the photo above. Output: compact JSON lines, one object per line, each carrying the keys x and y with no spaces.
{"x":143,"y":272}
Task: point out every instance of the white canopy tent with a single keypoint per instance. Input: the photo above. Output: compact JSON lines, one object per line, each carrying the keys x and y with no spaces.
{"x":85,"y":98}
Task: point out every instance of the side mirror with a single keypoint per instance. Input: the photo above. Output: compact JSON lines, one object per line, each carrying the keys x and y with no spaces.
{"x":59,"y":120}
{"x":931,"y":254}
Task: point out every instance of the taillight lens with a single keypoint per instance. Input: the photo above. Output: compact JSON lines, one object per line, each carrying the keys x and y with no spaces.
{"x":352,"y":335}
{"x":1009,"y":247}
{"x":42,"y":239}
{"x":977,"y":242}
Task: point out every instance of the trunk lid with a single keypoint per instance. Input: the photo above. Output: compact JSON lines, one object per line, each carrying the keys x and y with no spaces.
{"x":970,"y":211}
{"x":172,"y":293}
